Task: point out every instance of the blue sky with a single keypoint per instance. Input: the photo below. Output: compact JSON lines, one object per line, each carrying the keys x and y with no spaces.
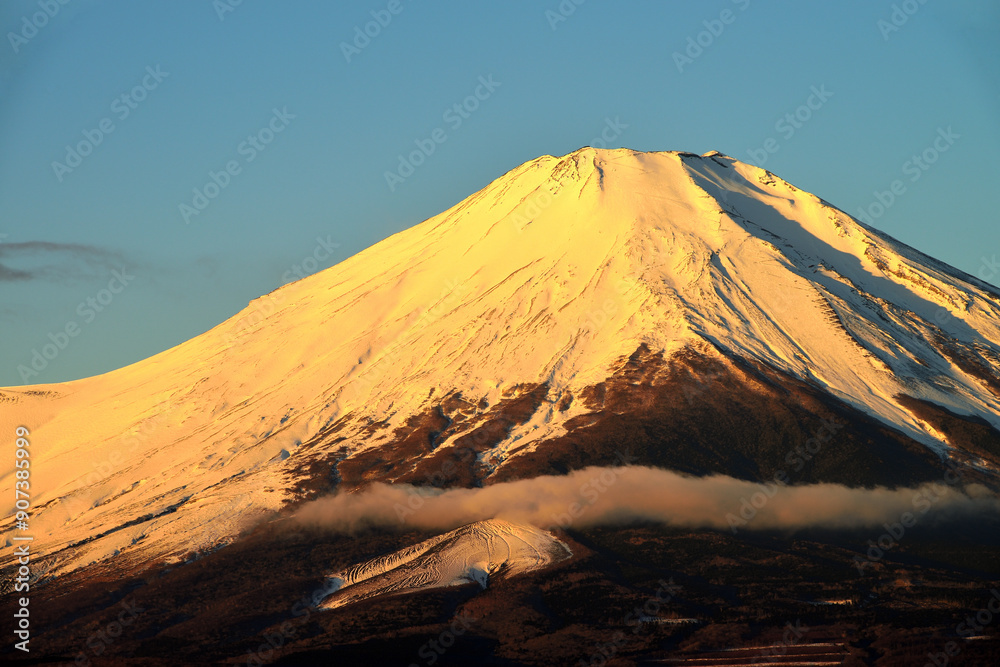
{"x":164,"y":95}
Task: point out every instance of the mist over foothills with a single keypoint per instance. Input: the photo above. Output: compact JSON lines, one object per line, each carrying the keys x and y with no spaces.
{"x":609,"y":496}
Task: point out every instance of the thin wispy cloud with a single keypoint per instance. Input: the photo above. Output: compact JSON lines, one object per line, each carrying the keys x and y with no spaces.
{"x":55,"y":262}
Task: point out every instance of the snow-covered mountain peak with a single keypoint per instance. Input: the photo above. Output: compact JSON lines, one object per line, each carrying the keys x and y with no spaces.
{"x":547,"y":277}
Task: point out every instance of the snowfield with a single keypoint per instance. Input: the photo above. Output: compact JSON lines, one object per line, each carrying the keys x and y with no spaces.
{"x":547,"y":275}
{"x":471,"y":554}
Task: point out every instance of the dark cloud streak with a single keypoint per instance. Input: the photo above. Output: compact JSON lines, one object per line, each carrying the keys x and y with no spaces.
{"x":60,"y":262}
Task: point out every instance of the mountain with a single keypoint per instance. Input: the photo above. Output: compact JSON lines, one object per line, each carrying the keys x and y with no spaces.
{"x":697,"y":310}
{"x":567,"y":297}
{"x":608,"y":307}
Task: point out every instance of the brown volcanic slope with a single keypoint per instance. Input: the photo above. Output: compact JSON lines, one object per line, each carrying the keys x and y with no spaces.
{"x":698,"y":412}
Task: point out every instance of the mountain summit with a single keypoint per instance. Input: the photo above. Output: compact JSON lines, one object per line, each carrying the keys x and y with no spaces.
{"x":698,"y":311}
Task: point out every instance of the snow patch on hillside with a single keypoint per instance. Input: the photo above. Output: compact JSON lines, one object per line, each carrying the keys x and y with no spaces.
{"x":471,"y":554}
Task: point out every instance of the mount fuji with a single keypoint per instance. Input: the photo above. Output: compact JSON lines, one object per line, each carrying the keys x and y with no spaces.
{"x":700,"y":313}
